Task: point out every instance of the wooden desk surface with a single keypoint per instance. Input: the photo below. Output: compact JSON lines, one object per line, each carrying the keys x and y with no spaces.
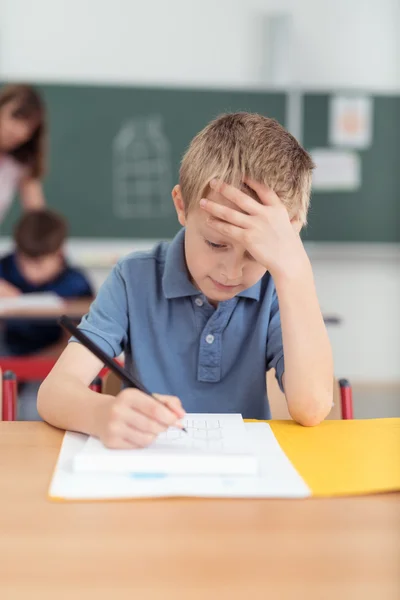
{"x":191,"y":549}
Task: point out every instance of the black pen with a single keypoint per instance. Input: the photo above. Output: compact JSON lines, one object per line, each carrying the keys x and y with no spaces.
{"x":109,"y":362}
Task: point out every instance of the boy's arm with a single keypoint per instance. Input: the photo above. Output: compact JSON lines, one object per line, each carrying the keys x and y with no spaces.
{"x":132,"y":419}
{"x":265,"y":230}
{"x":308,"y":377}
{"x":64,"y":399}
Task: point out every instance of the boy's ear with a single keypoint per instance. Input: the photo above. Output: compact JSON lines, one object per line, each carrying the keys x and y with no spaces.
{"x":179,"y":204}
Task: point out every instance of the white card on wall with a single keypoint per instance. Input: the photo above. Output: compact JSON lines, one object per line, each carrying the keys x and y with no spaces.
{"x":336,"y":170}
{"x":350,"y":121}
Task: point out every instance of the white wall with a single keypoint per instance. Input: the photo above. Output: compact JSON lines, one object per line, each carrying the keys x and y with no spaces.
{"x":209,"y":42}
{"x":336,"y":43}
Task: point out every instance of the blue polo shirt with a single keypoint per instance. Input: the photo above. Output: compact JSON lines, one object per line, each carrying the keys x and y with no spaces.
{"x":175,"y":342}
{"x":29,"y":336}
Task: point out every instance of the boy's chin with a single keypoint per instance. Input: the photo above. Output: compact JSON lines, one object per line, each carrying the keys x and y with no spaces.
{"x":215,"y":292}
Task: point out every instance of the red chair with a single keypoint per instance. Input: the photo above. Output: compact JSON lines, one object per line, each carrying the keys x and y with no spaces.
{"x":30,"y":368}
{"x":346,"y":399}
{"x":9,"y":396}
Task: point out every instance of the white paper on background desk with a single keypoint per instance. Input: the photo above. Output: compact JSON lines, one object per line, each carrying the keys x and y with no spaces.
{"x":277,"y":477}
{"x":213,"y":444}
{"x":35,"y":300}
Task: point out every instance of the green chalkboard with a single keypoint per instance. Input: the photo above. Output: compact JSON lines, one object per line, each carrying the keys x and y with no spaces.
{"x":372,"y":213}
{"x":115,"y":153}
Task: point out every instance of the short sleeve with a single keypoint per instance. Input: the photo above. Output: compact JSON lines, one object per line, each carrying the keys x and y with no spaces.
{"x":106,"y":324}
{"x":275,"y":358}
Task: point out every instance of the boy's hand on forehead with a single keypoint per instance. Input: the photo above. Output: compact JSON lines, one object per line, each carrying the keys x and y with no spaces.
{"x":263,"y":228}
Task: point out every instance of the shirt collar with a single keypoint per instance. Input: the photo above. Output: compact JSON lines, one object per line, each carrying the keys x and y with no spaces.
{"x":176,"y":282}
{"x":252,"y":292}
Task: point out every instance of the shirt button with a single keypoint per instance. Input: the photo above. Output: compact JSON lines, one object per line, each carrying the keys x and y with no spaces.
{"x":199,"y":302}
{"x":209,"y":338}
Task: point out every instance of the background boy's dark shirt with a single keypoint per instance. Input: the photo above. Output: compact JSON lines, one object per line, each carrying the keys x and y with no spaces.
{"x":29,"y":336}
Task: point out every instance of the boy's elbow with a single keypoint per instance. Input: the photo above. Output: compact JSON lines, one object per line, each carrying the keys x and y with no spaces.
{"x":41,"y":401}
{"x":311,"y":412}
{"x":308,"y":420}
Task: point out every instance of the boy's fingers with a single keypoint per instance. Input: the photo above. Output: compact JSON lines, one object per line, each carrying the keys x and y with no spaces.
{"x":139,"y":421}
{"x":173,"y":403}
{"x":226,"y":229}
{"x":119,"y":444}
{"x":243,"y":201}
{"x":265,"y":193}
{"x":118,"y":437}
{"x":152,"y":408}
{"x":137,"y":438}
{"x":225,"y":213}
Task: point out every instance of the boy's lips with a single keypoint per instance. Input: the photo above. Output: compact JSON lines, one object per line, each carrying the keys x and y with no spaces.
{"x":222,"y":286}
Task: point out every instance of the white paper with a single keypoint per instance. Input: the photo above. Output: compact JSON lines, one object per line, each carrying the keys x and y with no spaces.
{"x":277,"y":477}
{"x":350,"y":121}
{"x":213,"y":444}
{"x":35,"y":300}
{"x":336,"y":170}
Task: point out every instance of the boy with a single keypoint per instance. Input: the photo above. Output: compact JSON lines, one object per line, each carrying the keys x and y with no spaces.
{"x":38,"y":265}
{"x":199,"y":318}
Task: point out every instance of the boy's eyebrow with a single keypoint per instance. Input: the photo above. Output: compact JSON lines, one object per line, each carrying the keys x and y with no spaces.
{"x":207,"y":232}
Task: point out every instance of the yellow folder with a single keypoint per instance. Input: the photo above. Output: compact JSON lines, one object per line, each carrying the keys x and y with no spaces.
{"x":344,"y":457}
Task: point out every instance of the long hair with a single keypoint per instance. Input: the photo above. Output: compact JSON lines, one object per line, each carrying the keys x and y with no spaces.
{"x":29,"y":106}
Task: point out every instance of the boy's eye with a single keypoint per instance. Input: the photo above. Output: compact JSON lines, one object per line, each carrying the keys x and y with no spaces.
{"x":214,"y":246}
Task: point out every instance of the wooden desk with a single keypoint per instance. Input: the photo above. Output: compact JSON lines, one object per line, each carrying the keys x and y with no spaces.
{"x":75,"y":309}
{"x":185,"y":549}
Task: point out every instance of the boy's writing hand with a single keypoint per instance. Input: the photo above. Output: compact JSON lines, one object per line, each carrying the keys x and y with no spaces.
{"x":7,"y":290}
{"x":264,"y":229}
{"x":133,"y":419}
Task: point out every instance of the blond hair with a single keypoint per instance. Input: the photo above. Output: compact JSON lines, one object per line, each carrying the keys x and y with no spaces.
{"x":239,"y":145}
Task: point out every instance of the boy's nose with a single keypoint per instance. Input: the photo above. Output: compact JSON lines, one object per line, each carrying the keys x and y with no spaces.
{"x":232,"y":271}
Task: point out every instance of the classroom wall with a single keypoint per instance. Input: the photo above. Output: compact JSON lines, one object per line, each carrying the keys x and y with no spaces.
{"x":222,"y":43}
{"x":213,"y":42}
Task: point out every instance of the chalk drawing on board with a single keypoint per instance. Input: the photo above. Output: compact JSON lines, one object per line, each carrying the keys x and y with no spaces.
{"x":142,"y":173}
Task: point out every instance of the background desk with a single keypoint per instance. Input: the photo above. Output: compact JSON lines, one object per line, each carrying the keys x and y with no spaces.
{"x":191,"y":549}
{"x":75,"y":309}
